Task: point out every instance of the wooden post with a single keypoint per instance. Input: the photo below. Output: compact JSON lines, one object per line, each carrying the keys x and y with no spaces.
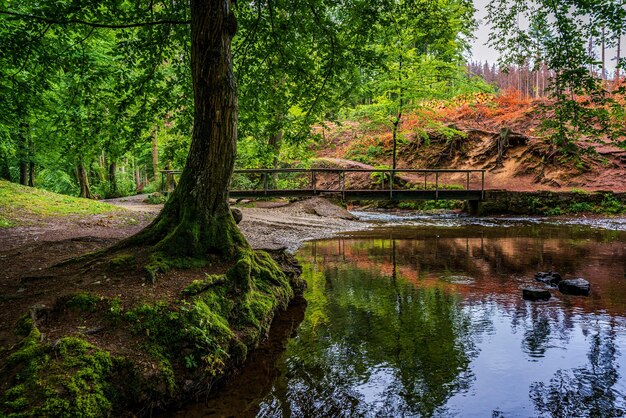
{"x":313,"y":181}
{"x":343,"y":185}
{"x":437,"y":185}
{"x":265,"y":183}
{"x":482,"y":187}
{"x":393,"y":172}
{"x":468,"y":186}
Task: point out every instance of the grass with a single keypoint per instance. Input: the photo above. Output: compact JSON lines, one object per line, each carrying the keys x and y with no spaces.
{"x":18,"y":202}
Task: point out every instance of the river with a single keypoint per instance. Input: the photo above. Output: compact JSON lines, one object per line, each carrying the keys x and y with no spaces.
{"x":424,"y":316}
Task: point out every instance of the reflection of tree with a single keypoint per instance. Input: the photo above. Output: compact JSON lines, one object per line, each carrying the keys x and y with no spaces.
{"x":537,"y":337}
{"x":495,"y":257}
{"x":588,"y":391}
{"x":386,"y":349}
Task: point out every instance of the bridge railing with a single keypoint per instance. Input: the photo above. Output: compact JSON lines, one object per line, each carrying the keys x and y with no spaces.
{"x":294,"y":181}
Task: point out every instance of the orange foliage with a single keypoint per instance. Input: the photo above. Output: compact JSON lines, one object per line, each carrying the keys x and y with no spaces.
{"x":511,"y":108}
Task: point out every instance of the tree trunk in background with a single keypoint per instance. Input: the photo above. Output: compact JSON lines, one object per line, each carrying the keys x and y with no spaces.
{"x":31,"y":163}
{"x":155,"y":156}
{"x":137,"y":174}
{"x":196,"y":219}
{"x":112,"y":178}
{"x":5,"y":172}
{"x":603,"y":55}
{"x":619,"y":56}
{"x":83,"y":181}
{"x":22,"y":152}
{"x":102,"y":167}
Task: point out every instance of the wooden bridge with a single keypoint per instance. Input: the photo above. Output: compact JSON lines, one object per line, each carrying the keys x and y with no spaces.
{"x":353,"y":183}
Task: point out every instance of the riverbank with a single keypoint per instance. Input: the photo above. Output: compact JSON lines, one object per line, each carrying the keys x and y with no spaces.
{"x":552,"y":203}
{"x":133,"y":346}
{"x":96,"y":338}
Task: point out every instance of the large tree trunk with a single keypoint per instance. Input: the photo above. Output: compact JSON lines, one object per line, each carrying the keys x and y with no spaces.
{"x":196,"y":220}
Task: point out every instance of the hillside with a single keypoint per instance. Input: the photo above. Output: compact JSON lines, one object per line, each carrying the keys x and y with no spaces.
{"x":469,"y":135}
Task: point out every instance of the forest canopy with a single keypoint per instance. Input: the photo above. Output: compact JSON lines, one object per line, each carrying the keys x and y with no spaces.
{"x":97,"y":100}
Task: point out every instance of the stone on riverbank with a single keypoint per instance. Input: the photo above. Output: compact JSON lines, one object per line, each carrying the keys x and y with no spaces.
{"x":534,"y":294}
{"x":577,"y":286}
{"x":237,"y":214}
{"x":548,"y":277}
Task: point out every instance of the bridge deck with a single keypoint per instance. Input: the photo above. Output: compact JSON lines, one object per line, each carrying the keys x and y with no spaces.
{"x":366,"y":194}
{"x":393,"y":184}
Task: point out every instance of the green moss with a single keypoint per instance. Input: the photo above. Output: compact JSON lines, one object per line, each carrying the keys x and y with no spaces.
{"x":431,"y":205}
{"x":83,"y":301}
{"x":198,"y":286}
{"x":69,"y":378}
{"x":24,"y":326}
{"x":580,"y":207}
{"x":239,"y":274}
{"x":157,"y":198}
{"x":158,"y":264}
{"x":122,"y":260}
{"x":201,"y":336}
{"x":610,"y":205}
{"x":17,"y":201}
{"x":6,"y":223}
{"x":115,"y":310}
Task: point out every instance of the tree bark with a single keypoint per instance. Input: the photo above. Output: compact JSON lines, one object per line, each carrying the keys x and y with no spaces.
{"x":196,"y":220}
{"x":31,"y":163}
{"x":22,"y":150}
{"x":155,"y":155}
{"x":5,"y":172}
{"x":83,"y":181}
{"x":112,"y":178}
{"x":603,"y":55}
{"x":618,"y":58}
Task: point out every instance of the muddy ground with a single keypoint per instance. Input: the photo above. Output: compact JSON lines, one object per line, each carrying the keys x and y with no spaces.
{"x":27,"y":253}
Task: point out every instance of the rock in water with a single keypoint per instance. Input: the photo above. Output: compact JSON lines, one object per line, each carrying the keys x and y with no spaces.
{"x":548,"y":277}
{"x":237,"y":214}
{"x":577,"y":286}
{"x":531,"y":293}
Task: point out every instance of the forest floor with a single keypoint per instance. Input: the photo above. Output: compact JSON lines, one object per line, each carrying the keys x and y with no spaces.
{"x":27,"y":252}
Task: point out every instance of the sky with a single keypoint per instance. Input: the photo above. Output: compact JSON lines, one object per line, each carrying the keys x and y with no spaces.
{"x":482,"y":53}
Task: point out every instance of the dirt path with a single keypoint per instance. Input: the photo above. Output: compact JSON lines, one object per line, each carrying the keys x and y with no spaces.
{"x":276,"y":226}
{"x":26,"y":252}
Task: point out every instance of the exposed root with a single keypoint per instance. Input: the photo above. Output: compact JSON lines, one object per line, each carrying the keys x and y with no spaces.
{"x":500,"y":144}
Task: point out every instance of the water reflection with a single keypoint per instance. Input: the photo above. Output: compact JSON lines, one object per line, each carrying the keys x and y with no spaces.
{"x":374,"y":345}
{"x":430,"y":322}
{"x":592,"y":390}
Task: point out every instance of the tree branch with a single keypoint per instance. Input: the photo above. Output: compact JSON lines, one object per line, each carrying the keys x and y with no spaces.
{"x":94,"y":24}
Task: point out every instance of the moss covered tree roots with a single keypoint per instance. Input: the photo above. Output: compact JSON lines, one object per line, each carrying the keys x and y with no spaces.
{"x":183,"y":346}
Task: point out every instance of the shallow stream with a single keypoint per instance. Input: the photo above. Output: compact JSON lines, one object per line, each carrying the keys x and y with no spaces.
{"x":425,"y":318}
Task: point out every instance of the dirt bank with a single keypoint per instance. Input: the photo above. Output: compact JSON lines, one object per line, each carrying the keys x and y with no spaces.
{"x":26,"y":251}
{"x":102,"y":325}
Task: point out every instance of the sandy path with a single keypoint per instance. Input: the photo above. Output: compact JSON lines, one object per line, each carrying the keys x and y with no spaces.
{"x":280,"y":227}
